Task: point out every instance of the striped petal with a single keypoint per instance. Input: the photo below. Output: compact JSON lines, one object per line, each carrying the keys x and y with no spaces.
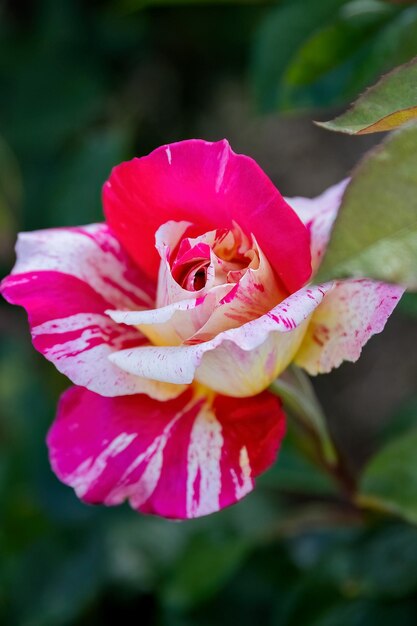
{"x":238,"y":362}
{"x":346,"y":319}
{"x":66,"y":279}
{"x":181,"y":458}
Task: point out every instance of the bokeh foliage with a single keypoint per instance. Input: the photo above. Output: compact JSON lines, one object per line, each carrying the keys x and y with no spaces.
{"x":314,"y":53}
{"x":84,"y":86}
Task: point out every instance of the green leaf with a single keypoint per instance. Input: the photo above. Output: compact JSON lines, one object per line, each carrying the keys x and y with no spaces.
{"x":279,"y":37}
{"x":403,"y":419}
{"x":375,"y":234}
{"x":337,"y":41}
{"x":321,"y":55}
{"x":389,"y":482}
{"x":360,"y":612}
{"x":203,"y":569}
{"x":395,"y":544}
{"x":385,"y":106}
{"x":53,"y":584}
{"x":408,"y":304}
{"x":294,"y":473}
{"x":394,"y":43}
{"x":309,"y":56}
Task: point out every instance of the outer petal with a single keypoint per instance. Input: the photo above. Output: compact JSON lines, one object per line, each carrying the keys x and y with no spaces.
{"x":319,"y":214}
{"x":349,"y":315}
{"x":182,"y":458}
{"x":210,"y":186}
{"x":66,"y":279}
{"x":238,"y":362}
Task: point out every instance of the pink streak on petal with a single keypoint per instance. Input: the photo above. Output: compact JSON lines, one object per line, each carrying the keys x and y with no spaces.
{"x":182,"y":458}
{"x":90,"y":253}
{"x":236,"y":362}
{"x":348,"y":317}
{"x":66,"y":279}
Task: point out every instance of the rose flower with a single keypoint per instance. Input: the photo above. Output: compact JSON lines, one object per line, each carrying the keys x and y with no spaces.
{"x":173,"y":318}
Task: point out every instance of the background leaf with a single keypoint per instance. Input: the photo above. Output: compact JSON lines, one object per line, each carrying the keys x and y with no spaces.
{"x":389,"y":481}
{"x":278,"y":39}
{"x":354,"y":24}
{"x":333,"y":53}
{"x":375,"y":234}
{"x":385,"y":106}
{"x":203,"y":569}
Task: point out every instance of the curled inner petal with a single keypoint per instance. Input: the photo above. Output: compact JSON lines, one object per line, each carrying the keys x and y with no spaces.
{"x":221,"y":255}
{"x":207,"y":284}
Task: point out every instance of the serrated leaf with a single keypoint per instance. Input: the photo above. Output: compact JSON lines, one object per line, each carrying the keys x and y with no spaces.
{"x":387,"y":105}
{"x":375,"y":234}
{"x":389,"y":482}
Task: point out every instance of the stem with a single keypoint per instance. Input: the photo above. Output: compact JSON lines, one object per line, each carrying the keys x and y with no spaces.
{"x":301,"y":402}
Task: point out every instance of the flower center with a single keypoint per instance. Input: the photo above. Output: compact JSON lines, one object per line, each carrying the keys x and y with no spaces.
{"x":215,"y":258}
{"x":195,"y":278}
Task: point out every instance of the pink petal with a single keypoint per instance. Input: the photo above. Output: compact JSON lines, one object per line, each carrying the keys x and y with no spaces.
{"x":90,"y":253}
{"x":238,"y":362}
{"x":346,"y":319}
{"x":319,"y":214}
{"x":210,"y":186}
{"x":181,"y":458}
{"x":66,"y":279}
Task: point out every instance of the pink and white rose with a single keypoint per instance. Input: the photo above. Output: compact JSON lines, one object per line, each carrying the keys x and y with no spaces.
{"x":175,"y":315}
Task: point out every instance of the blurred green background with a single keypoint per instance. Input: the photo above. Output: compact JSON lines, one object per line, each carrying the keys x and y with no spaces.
{"x":84,"y":85}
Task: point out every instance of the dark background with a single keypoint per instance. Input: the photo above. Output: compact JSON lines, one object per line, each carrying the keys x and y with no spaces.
{"x":84,"y":85}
